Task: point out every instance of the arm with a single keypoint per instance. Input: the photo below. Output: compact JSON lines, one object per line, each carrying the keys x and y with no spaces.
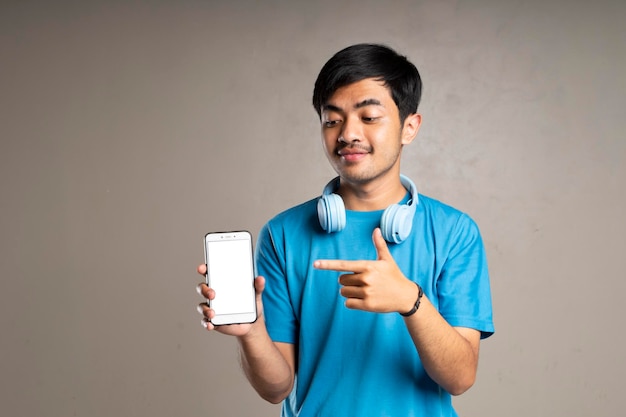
{"x":269,"y":366}
{"x":449,"y":354}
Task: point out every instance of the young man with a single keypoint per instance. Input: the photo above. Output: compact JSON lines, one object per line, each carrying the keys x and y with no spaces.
{"x":372,"y":299}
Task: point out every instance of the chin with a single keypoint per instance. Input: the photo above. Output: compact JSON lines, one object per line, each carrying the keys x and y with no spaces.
{"x":356,"y":178}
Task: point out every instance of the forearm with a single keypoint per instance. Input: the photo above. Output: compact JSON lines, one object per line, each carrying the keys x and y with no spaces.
{"x":265,"y":366}
{"x":449,"y":355}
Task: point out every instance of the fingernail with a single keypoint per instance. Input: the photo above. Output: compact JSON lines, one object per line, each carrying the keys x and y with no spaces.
{"x":199,"y":308}
{"x":204,"y":324}
{"x":199,"y":289}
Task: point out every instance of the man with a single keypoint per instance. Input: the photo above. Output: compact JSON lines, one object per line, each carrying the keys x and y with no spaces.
{"x":372,"y":300}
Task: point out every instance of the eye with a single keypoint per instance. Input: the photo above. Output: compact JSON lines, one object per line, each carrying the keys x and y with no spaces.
{"x":370,"y":119}
{"x":331,"y":123}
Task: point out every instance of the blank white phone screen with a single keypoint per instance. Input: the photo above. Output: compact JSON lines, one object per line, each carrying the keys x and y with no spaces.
{"x":230,"y":275}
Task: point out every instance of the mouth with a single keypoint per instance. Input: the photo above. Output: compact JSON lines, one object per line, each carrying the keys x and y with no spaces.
{"x":353,"y":152}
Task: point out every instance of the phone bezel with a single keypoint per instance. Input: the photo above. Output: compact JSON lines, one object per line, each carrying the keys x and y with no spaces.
{"x":231,"y":318}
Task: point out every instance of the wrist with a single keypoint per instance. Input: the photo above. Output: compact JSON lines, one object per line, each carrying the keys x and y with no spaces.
{"x":416,"y":304}
{"x":256,"y":330}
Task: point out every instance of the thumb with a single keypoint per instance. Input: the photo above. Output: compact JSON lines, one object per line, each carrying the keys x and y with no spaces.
{"x":259,"y":285}
{"x":382,"y":250}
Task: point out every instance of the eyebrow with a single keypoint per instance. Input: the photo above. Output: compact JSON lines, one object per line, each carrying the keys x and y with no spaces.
{"x":361,"y":104}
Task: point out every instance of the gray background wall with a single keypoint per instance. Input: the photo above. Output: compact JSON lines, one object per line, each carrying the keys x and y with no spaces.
{"x":130,"y":129}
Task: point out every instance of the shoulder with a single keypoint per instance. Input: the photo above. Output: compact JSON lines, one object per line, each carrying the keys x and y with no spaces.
{"x":446,"y":219}
{"x":437,"y":209}
{"x":302,"y":213}
{"x":295,"y":220}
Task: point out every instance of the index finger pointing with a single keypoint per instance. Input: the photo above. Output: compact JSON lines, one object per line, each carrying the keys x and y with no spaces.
{"x":338,"y":265}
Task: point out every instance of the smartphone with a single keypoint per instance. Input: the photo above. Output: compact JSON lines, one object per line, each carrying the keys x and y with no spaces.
{"x":230,"y":272}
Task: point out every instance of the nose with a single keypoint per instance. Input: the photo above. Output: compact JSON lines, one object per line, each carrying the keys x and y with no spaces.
{"x":350,"y":131}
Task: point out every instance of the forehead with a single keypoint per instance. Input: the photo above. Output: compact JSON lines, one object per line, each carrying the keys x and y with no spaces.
{"x":358,"y":92}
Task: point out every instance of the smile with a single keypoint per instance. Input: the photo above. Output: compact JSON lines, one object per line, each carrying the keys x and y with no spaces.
{"x":353,"y":153}
{"x":353,"y":157}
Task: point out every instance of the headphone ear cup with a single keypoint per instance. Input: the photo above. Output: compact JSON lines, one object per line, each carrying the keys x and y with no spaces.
{"x":331,"y":213}
{"x":396,"y":223}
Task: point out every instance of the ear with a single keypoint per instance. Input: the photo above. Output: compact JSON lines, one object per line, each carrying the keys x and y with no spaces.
{"x":410,"y":128}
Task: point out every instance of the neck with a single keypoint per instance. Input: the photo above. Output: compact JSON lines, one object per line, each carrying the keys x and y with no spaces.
{"x":373,"y":195}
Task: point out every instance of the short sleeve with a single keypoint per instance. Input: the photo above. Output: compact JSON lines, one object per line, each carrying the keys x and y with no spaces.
{"x":463,"y":286}
{"x":279,"y":315}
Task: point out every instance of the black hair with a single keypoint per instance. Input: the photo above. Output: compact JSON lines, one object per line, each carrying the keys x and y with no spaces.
{"x":361,"y":61}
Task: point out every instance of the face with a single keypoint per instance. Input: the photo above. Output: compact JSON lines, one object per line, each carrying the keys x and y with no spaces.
{"x":362,"y":133}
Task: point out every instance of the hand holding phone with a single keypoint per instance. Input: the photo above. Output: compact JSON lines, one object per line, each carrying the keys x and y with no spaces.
{"x":230,"y":273}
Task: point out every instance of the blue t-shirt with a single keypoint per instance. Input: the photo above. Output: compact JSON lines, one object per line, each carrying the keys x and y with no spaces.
{"x":358,"y":363}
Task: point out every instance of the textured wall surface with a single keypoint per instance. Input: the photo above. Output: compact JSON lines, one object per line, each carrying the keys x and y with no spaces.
{"x":130,"y":129}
